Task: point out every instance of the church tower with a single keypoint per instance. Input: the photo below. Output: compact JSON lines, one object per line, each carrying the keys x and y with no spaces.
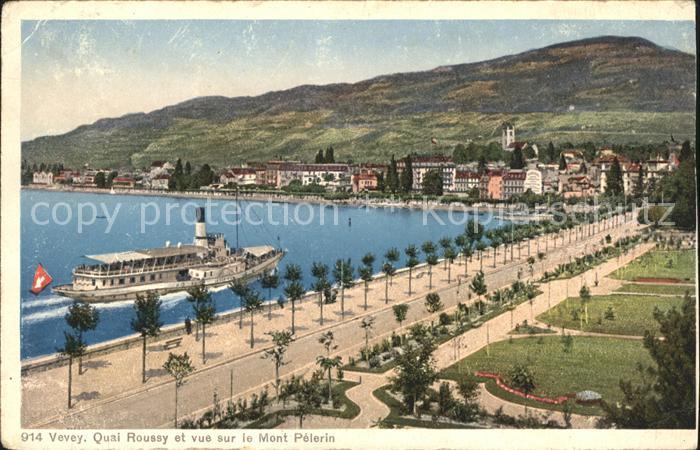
{"x":507,"y":135}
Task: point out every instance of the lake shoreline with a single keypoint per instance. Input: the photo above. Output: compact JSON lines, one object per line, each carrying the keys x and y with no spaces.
{"x":456,"y":207}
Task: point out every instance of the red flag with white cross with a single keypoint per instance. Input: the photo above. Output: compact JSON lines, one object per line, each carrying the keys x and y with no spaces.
{"x":41,"y":280}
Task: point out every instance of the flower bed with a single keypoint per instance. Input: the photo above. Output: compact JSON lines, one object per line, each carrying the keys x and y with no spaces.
{"x":657,"y":280}
{"x":499,"y":381}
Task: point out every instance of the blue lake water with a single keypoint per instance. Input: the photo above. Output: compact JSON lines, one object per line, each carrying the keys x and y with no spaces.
{"x":59,"y":248}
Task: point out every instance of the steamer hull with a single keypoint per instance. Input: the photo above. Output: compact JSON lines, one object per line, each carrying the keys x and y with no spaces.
{"x":130,"y":292}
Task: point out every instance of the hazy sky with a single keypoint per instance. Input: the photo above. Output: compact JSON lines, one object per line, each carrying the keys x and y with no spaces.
{"x":75,"y":72}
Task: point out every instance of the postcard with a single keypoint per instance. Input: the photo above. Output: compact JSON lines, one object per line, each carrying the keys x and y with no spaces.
{"x":349,"y":224}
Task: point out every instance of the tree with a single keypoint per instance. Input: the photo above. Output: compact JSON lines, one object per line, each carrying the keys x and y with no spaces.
{"x":400,"y":313}
{"x":240,"y":289}
{"x":683,"y":187}
{"x":666,"y":396}
{"x":100,"y":180}
{"x":392,"y":176}
{"x":494,"y":244}
{"x":614,"y":182}
{"x":432,"y":183}
{"x":585,"y":295}
{"x":521,"y":378}
{"x":178,"y":367}
{"x":147,"y":322}
{"x":415,"y":370}
{"x":686,"y":152}
{"x":269,"y":281}
{"x":188,"y":168}
{"x":73,"y":347}
{"x":307,"y":397}
{"x":448,"y":254}
{"x":320,"y":272}
{"x":82,"y":317}
{"x":281,"y":340}
{"x":343,"y":274}
{"x":551,"y":153}
{"x":367,"y":272}
{"x":327,"y":363}
{"x":391,"y":257}
{"x":204,"y":311}
{"x":478,"y":284}
{"x":482,"y":166}
{"x":562,"y":162}
{"x":294,"y":290}
{"x":639,"y":185}
{"x":517,"y":161}
{"x":460,"y":154}
{"x":330,"y":156}
{"x":430,"y":259}
{"x":433,"y":304}
{"x":406,"y":179}
{"x":319,"y":157}
{"x":178,"y":167}
{"x":252,"y":303}
{"x":367,"y":324}
{"x":411,"y":262}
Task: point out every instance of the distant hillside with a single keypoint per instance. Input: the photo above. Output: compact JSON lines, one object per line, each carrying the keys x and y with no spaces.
{"x":610,"y":89}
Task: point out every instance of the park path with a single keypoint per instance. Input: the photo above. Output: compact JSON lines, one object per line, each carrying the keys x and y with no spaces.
{"x":371,"y":409}
{"x":110,"y":394}
{"x":498,"y":328}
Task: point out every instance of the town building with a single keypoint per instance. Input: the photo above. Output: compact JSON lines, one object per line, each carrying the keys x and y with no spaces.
{"x":422,"y":164}
{"x":576,"y":186}
{"x":465,"y":181}
{"x":160,"y":181}
{"x":491,"y":185}
{"x":241,"y":176}
{"x":43,"y":177}
{"x":533,"y":181}
{"x":160,"y":168}
{"x":124,"y":182}
{"x":66,"y":177}
{"x":513,"y":184}
{"x":362,"y":182}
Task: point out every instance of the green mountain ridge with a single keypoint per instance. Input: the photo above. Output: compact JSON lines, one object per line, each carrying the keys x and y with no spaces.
{"x":606,"y":89}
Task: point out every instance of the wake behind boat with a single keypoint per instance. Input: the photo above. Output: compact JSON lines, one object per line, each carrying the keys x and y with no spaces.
{"x":208,"y":261}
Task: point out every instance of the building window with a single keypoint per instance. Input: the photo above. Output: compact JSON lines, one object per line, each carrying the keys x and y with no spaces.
{"x":111,"y":282}
{"x":143,"y":278}
{"x":153,"y":277}
{"x":132,"y":279}
{"x":104,"y":282}
{"x":121,"y":281}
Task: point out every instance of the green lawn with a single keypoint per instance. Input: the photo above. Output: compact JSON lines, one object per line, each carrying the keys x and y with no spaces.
{"x":676,"y":264}
{"x":594,"y":363}
{"x":662,"y":289}
{"x":633,"y":313}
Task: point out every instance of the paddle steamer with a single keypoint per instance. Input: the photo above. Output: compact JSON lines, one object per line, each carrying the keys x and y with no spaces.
{"x":208,"y":261}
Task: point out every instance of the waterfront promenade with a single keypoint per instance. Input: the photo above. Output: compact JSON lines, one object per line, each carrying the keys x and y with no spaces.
{"x":110,"y":393}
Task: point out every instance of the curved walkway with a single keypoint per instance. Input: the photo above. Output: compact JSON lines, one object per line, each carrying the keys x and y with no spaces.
{"x":498,"y":330}
{"x":371,"y":409}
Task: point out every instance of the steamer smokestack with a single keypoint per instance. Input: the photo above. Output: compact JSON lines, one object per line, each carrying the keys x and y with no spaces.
{"x":200,"y":228}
